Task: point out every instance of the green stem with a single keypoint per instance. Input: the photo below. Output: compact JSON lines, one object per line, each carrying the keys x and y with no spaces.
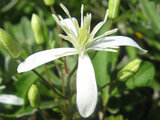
{"x":61,"y":44}
{"x":43,"y":117}
{"x":70,"y":75}
{"x":112,"y":82}
{"x":47,"y":73}
{"x":94,"y":55}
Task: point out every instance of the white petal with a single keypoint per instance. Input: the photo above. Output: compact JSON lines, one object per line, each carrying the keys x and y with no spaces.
{"x":42,"y":57}
{"x":70,"y":25}
{"x":106,"y":33}
{"x":114,"y":41}
{"x":11,"y":99}
{"x":86,"y":87}
{"x":99,"y":25}
{"x":65,"y":10}
{"x":82,"y":7}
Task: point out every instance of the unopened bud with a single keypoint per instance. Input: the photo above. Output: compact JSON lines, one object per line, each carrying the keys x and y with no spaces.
{"x":33,"y":96}
{"x":49,"y":2}
{"x":113,"y":8}
{"x":9,"y":45}
{"x":129,"y":70}
{"x":37,"y":28}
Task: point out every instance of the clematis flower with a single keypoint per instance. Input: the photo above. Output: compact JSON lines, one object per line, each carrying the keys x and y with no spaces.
{"x":83,"y":41}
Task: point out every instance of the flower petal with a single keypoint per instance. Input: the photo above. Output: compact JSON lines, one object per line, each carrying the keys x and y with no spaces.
{"x":70,"y":25}
{"x":82,"y":7}
{"x":114,"y":41}
{"x":42,"y":57}
{"x":86,"y":87}
{"x":99,"y":25}
{"x":11,"y":99}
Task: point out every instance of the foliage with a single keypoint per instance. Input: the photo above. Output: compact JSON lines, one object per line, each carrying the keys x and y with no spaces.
{"x":136,"y":98}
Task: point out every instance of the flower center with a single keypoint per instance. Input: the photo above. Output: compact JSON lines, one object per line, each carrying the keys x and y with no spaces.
{"x":84,"y":36}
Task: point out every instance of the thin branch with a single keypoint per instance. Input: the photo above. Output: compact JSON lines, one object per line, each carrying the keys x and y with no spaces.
{"x":61,"y":44}
{"x":110,"y":83}
{"x":42,"y":79}
{"x":70,"y":75}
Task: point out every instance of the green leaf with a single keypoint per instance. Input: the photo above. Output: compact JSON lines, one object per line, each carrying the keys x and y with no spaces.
{"x":29,"y":110}
{"x":144,"y":77}
{"x":132,"y":53}
{"x":118,"y":117}
{"x":103,"y":63}
{"x":10,"y":66}
{"x":151,"y":12}
{"x":23,"y":83}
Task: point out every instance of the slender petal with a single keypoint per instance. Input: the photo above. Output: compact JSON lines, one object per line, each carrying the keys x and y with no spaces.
{"x":45,"y":56}
{"x":86,"y":87}
{"x":99,"y":25}
{"x":65,"y":10}
{"x":70,"y":25}
{"x":82,"y":7}
{"x":114,"y":41}
{"x":11,"y":99}
{"x":106,"y":33}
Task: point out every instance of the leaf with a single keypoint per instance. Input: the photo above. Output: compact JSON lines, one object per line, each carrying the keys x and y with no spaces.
{"x":132,"y":53}
{"x":151,"y":12}
{"x":118,"y":117}
{"x":144,"y":77}
{"x":29,"y":110}
{"x":103,"y":63}
{"x":10,"y":66}
{"x":24,"y":83}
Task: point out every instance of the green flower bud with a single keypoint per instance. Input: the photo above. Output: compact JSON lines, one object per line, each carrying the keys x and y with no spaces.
{"x":33,"y":96}
{"x":113,"y":8}
{"x":37,"y":28}
{"x":129,"y":70}
{"x":9,"y":45}
{"x":49,"y":2}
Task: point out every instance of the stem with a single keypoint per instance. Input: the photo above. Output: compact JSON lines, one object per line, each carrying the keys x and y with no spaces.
{"x":60,"y":73}
{"x":106,"y":85}
{"x":70,"y":75}
{"x":43,"y":117}
{"x":46,"y":71}
{"x":42,"y":79}
{"x":94,"y":55}
{"x":61,"y":44}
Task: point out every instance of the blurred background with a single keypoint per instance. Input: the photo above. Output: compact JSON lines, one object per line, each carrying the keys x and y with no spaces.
{"x":138,"y":19}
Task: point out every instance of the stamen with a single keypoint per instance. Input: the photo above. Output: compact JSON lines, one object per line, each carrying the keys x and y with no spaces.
{"x":82,"y":7}
{"x":56,"y":19}
{"x":65,"y":10}
{"x":99,"y":25}
{"x":106,"y":33}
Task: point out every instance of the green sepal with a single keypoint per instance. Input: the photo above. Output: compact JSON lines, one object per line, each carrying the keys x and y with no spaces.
{"x":33,"y":96}
{"x":49,"y":2}
{"x":37,"y":28}
{"x":129,"y":70}
{"x":113,"y":8}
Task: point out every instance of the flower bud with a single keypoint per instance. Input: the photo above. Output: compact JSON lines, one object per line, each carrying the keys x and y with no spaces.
{"x":37,"y":28}
{"x":33,"y":96}
{"x":113,"y":8}
{"x":9,"y":45}
{"x":129,"y":70}
{"x":49,"y":2}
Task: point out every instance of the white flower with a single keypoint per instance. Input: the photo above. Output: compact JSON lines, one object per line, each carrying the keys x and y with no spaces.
{"x":83,"y":41}
{"x":11,"y":99}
